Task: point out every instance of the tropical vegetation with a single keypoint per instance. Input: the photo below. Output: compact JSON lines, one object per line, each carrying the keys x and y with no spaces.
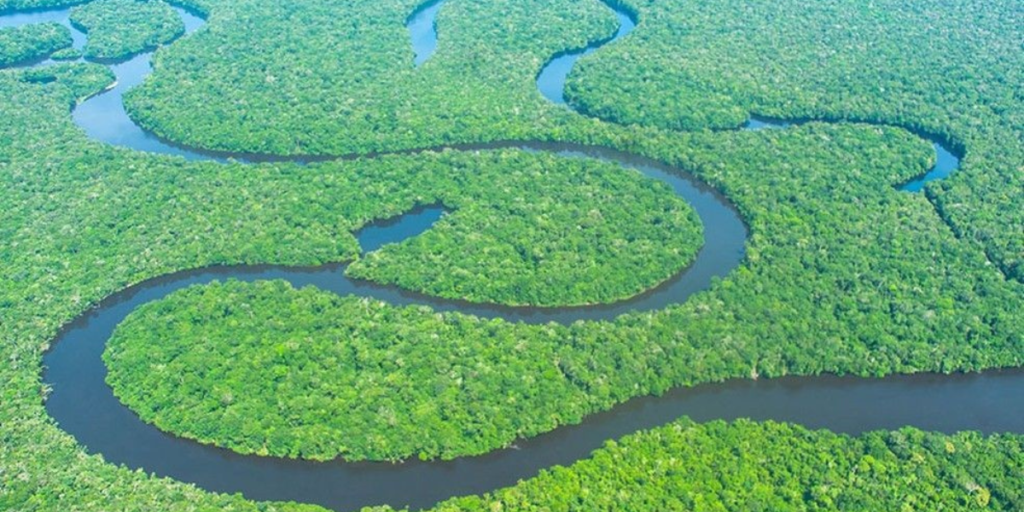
{"x":808,"y":297}
{"x":66,"y":54}
{"x":925,"y":66}
{"x":843,"y":273}
{"x":245,"y":83}
{"x":118,"y":29}
{"x":547,"y":231}
{"x":774,"y":467}
{"x":32,"y":42}
{"x":7,"y":6}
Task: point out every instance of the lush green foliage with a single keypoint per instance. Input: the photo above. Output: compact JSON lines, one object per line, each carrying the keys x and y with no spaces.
{"x":66,"y":54}
{"x":32,"y":42}
{"x":263,"y":368}
{"x":70,"y":84}
{"x":247,"y":83}
{"x":925,"y":65}
{"x":81,"y":221}
{"x":747,"y":466}
{"x":119,"y":29}
{"x":690,"y":65}
{"x":20,"y":5}
{"x":844,"y":273}
{"x":548,"y":231}
{"x":833,"y":283}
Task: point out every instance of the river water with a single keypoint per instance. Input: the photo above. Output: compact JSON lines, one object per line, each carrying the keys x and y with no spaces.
{"x":84,"y":406}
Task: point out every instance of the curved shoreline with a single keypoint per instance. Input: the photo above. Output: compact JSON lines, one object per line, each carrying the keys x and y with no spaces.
{"x":422,"y":29}
{"x":552,"y":76}
{"x":85,"y":407}
{"x":850,"y":405}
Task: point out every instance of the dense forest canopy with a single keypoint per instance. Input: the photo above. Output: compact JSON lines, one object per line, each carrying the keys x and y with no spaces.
{"x":118,"y":29}
{"x":544,"y":231}
{"x":32,"y":42}
{"x":843,"y":273}
{"x":28,"y":5}
{"x":769,"y":466}
{"x":812,"y":274}
{"x":690,"y":64}
{"x":347,"y":85}
{"x":949,"y":68}
{"x":67,"y":54}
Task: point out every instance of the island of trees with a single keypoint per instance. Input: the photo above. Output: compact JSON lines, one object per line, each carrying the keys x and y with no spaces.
{"x":843,"y":273}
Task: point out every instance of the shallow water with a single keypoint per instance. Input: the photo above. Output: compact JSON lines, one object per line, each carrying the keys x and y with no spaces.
{"x":423,"y":31}
{"x":61,"y":16}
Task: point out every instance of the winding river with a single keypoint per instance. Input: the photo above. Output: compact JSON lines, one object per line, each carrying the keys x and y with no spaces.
{"x":84,"y":406}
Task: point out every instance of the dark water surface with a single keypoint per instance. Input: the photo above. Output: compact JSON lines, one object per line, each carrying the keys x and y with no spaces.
{"x":84,"y":406}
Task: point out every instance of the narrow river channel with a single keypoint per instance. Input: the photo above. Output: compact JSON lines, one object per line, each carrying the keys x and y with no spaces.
{"x":85,"y":407}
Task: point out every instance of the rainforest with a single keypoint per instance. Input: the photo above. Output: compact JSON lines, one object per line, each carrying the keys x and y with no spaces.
{"x":511,"y":255}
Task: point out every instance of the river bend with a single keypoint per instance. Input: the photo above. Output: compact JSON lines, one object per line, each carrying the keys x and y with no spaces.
{"x":84,"y":405}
